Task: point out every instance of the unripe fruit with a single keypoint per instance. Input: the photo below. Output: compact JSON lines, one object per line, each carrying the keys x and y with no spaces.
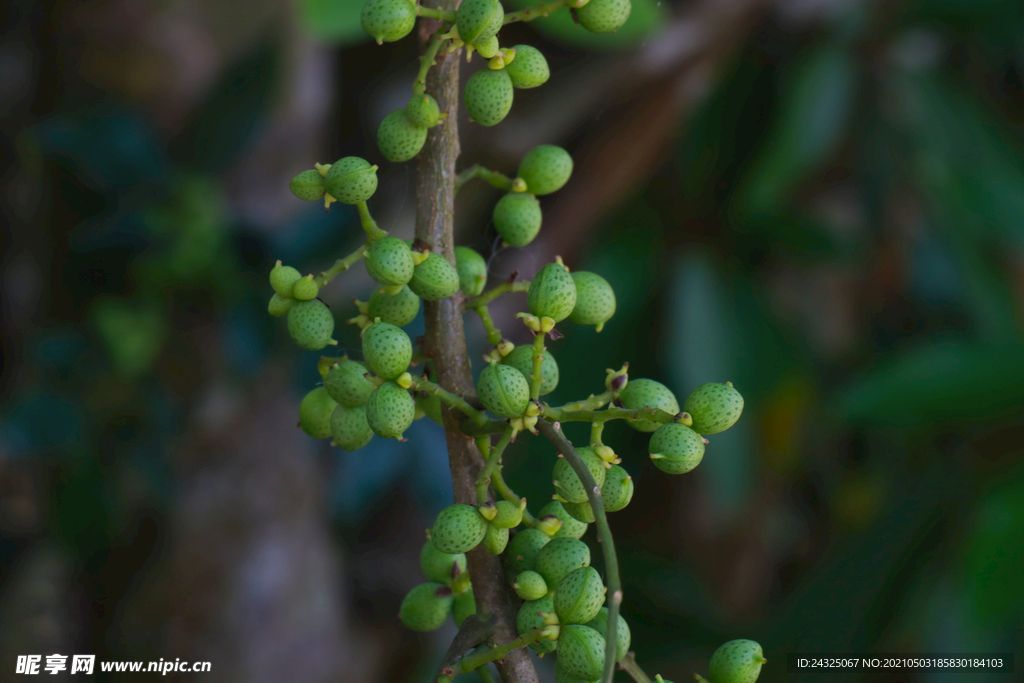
{"x":435,"y":278}
{"x":503,"y":390}
{"x":279,"y":305}
{"x":488,"y":48}
{"x":390,"y":411}
{"x":475,"y":20}
{"x":315,"y":413}
{"x":646,"y":392}
{"x":571,"y":527}
{"x":676,"y":449}
{"x":308,"y":185}
{"x":622,"y":634}
{"x":595,"y":300}
{"x":426,"y":606}
{"x":530,"y":585}
{"x":562,"y":677}
{"x":423,"y":111}
{"x":311,"y":324}
{"x":464,"y":606}
{"x":517,"y":218}
{"x":495,"y":540}
{"x":714,"y":407}
{"x":350,"y":429}
{"x":559,"y":557}
{"x":387,"y":349}
{"x":521,"y":359}
{"x":508,"y":516}
{"x":388,"y":20}
{"x":437,"y":566}
{"x":568,"y":484}
{"x":458,"y":529}
{"x":283,"y":279}
{"x":352,"y":180}
{"x":524,"y":548}
{"x":581,"y":651}
{"x":431,"y":406}
{"x":488,"y":96}
{"x":529,"y":69}
{"x":472,"y":270}
{"x":398,"y":309}
{"x":347,"y":384}
{"x":579,"y":596}
{"x":305,"y":289}
{"x":545,"y":169}
{"x":581,"y":512}
{"x":604,"y":16}
{"x":738,"y":661}
{"x":398,"y":138}
{"x":552,"y":293}
{"x":528,"y":619}
{"x":389,"y":261}
{"x":617,"y":489}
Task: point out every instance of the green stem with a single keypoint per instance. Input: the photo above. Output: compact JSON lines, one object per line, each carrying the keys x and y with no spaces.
{"x":485,"y":674}
{"x":470,"y":428}
{"x":629,"y":665}
{"x":498,"y":481}
{"x":592,"y":403}
{"x":453,"y":401}
{"x":538,"y":358}
{"x":541,"y":10}
{"x":492,"y":294}
{"x":596,"y":430}
{"x":498,"y":180}
{"x":493,"y":333}
{"x":647,"y":413}
{"x":419,"y":86}
{"x":478,"y":659}
{"x":492,"y":463}
{"x":432,"y":13}
{"x":341,"y":265}
{"x":373,"y":232}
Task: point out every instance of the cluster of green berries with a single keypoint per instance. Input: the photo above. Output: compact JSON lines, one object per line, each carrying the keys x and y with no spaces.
{"x":448,"y":591}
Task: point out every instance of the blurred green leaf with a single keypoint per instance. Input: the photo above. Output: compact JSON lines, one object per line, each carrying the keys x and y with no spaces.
{"x":644,"y":20}
{"x":335,"y":21}
{"x":134,"y":336}
{"x":995,"y":554}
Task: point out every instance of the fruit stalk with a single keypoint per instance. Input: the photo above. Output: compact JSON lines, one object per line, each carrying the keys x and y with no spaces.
{"x":492,"y":294}
{"x":493,"y":458}
{"x":538,"y":358}
{"x":419,"y":86}
{"x":629,"y":665}
{"x":478,"y":659}
{"x":341,"y":265}
{"x":370,"y":226}
{"x":645,"y":413}
{"x":498,"y":180}
{"x":451,"y":400}
{"x":541,"y":10}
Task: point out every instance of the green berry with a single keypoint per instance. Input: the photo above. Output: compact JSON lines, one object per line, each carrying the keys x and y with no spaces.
{"x":503,"y":390}
{"x":559,"y":557}
{"x":458,"y":529}
{"x":388,"y":20}
{"x":283,"y":279}
{"x":308,"y":185}
{"x":305,"y":289}
{"x":352,"y":180}
{"x":508,"y":516}
{"x":552,"y":293}
{"x":579,"y":596}
{"x":488,"y":48}
{"x":571,"y":527}
{"x":595,"y":300}
{"x":465,"y":606}
{"x":714,"y":407}
{"x":398,"y":138}
{"x":562,"y":677}
{"x":617,"y":489}
{"x":488,"y":96}
{"x":530,"y":585}
{"x":517,"y":218}
{"x":646,"y":392}
{"x":279,"y":305}
{"x":347,"y":384}
{"x":581,"y":651}
{"x":389,"y":261}
{"x":495,"y":539}
{"x":390,"y":411}
{"x":423,"y":111}
{"x":311,"y":324}
{"x":350,"y":429}
{"x":431,"y":406}
{"x":524,"y":548}
{"x":738,"y":661}
{"x":475,"y":20}
{"x":426,"y":606}
{"x":567,"y":482}
{"x":529,"y":68}
{"x":387,"y":349}
{"x":581,"y":512}
{"x":528,"y":619}
{"x":472,"y":269}
{"x":315,"y":413}
{"x":603,"y":16}
{"x":622,"y":634}
{"x":437,"y":566}
{"x":521,"y":359}
{"x":545,"y":168}
{"x":676,"y":449}
{"x":399,"y":309}
{"x":435,"y":278}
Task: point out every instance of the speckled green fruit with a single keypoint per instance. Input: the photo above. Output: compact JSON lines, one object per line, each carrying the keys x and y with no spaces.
{"x":389,"y":261}
{"x":646,"y":392}
{"x":475,"y":19}
{"x":508,"y":515}
{"x":530,"y":585}
{"x":488,"y":48}
{"x":426,"y":606}
{"x":545,"y":168}
{"x":528,"y":619}
{"x":472,"y":270}
{"x":488,"y":96}
{"x":559,"y":557}
{"x":561,"y":676}
{"x":521,"y":359}
{"x":503,"y":390}
{"x":552,"y":293}
{"x":347,"y":384}
{"x":399,"y":309}
{"x":390,"y":411}
{"x":524,"y":548}
{"x":431,"y":405}
{"x":305,"y":289}
{"x":714,"y":407}
{"x":581,"y":512}
{"x":581,"y":651}
{"x":622,"y":634}
{"x":568,"y":484}
{"x":458,"y":529}
{"x":738,"y":661}
{"x":495,"y":540}
{"x":388,"y":20}
{"x":595,"y":300}
{"x":279,"y":305}
{"x":398,"y":138}
{"x":283,"y":279}
{"x":308,"y":185}
{"x":311,"y":324}
{"x":517,"y":218}
{"x":423,"y":111}
{"x":350,"y":429}
{"x":435,"y":278}
{"x":352,"y":179}
{"x":579,"y":596}
{"x":387,"y":349}
{"x":604,"y":16}
{"x":437,"y":566}
{"x":315,"y":413}
{"x":676,"y":449}
{"x":571,"y":527}
{"x":529,"y":68}
{"x":617,"y":489}
{"x":464,"y":606}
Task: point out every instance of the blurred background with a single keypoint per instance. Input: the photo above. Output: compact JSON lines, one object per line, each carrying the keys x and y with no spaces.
{"x":819,"y":200}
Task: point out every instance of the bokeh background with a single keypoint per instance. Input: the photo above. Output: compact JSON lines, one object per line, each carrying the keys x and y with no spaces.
{"x":819,"y":200}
